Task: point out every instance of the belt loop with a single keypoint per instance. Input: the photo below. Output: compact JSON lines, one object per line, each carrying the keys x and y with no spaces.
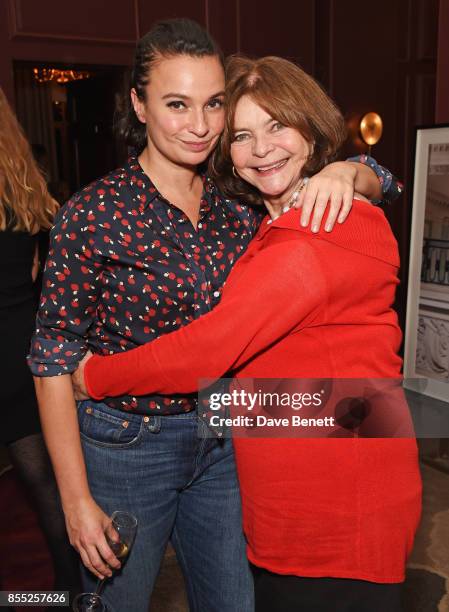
{"x":153,"y":423}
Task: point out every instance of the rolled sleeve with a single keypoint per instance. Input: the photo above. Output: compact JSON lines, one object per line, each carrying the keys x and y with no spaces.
{"x":70,"y":292}
{"x":391,"y":187}
{"x":52,"y":357}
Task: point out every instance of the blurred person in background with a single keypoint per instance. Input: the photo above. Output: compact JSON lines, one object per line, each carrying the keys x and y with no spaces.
{"x":26,"y":213}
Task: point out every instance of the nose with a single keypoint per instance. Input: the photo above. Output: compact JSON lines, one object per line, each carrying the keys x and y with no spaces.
{"x":199,"y":125}
{"x":262,"y":145}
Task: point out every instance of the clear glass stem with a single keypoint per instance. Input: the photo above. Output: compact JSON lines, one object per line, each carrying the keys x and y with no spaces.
{"x":100,"y":586}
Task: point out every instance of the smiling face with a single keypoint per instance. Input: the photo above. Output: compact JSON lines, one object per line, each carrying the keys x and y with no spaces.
{"x":265,"y":153}
{"x":183,"y":108}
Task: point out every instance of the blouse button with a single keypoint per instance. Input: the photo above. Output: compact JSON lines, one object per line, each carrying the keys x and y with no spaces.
{"x":146,"y":419}
{"x":89,"y":410}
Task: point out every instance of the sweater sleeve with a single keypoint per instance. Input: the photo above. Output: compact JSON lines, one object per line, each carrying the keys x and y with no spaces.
{"x":279,"y":290}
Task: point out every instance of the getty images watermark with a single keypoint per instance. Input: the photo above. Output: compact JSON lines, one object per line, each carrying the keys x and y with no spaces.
{"x":320,"y":408}
{"x":249,"y":401}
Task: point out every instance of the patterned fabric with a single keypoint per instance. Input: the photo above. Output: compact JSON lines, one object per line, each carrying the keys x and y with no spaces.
{"x":392,"y":188}
{"x":125,"y":266}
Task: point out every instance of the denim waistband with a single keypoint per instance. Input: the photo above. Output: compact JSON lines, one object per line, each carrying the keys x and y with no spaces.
{"x":133,"y":416}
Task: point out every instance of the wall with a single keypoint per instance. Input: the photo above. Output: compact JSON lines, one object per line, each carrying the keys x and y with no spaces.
{"x":382,"y":57}
{"x":442,"y":103}
{"x":81,"y":32}
{"x":104,"y":31}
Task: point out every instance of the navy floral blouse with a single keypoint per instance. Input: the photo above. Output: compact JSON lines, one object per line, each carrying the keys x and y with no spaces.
{"x":126,"y":266}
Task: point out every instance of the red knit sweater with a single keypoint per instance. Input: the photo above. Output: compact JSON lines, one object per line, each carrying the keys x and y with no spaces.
{"x":301,"y":305}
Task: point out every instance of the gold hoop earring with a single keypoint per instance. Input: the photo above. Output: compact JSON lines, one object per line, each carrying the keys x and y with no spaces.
{"x":234,"y":172}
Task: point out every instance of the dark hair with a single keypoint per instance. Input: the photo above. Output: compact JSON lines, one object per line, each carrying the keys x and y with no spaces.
{"x":290,"y":96}
{"x":165,"y":39}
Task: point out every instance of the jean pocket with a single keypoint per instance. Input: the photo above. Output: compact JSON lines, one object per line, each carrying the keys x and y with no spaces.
{"x":100,"y":427}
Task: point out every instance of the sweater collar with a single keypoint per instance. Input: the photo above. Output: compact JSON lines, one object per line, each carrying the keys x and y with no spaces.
{"x":365,"y":231}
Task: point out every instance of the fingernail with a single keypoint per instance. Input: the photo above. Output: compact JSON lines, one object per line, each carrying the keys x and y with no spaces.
{"x":328,"y":227}
{"x":303,"y":222}
{"x":315,"y":228}
{"x":341,"y":219}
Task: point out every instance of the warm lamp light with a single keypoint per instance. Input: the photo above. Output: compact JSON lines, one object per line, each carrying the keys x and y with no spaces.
{"x":371,"y":127}
{"x":45,"y":75}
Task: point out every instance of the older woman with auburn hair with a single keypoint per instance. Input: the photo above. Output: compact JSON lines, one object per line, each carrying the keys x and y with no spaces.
{"x":329,"y":522}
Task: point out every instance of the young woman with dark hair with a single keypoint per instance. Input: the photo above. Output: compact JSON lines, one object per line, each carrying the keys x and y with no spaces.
{"x":136,"y":254}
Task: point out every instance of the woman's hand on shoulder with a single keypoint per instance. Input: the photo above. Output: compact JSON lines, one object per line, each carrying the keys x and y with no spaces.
{"x":333,"y":185}
{"x":79,"y":386}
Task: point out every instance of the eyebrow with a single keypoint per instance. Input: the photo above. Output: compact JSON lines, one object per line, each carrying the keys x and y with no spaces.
{"x":243,"y":129}
{"x":184,"y":97}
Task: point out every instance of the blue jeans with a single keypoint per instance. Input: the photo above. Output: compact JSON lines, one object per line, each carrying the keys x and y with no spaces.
{"x":181,"y":487}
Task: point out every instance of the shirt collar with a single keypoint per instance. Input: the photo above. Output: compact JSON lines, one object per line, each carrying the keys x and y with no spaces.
{"x":147,"y":190}
{"x":141,"y":182}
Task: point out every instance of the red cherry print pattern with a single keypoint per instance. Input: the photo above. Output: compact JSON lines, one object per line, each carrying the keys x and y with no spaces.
{"x":125,"y":266}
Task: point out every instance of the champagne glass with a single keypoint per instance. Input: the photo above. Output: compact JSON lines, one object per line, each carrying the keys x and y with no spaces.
{"x":88,"y":602}
{"x":120,"y":535}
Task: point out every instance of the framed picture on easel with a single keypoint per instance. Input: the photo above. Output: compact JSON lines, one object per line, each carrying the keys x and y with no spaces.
{"x":426,"y":363}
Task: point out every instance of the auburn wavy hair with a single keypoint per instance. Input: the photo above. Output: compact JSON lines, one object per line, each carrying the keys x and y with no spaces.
{"x":25,"y":204}
{"x":290,"y":96}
